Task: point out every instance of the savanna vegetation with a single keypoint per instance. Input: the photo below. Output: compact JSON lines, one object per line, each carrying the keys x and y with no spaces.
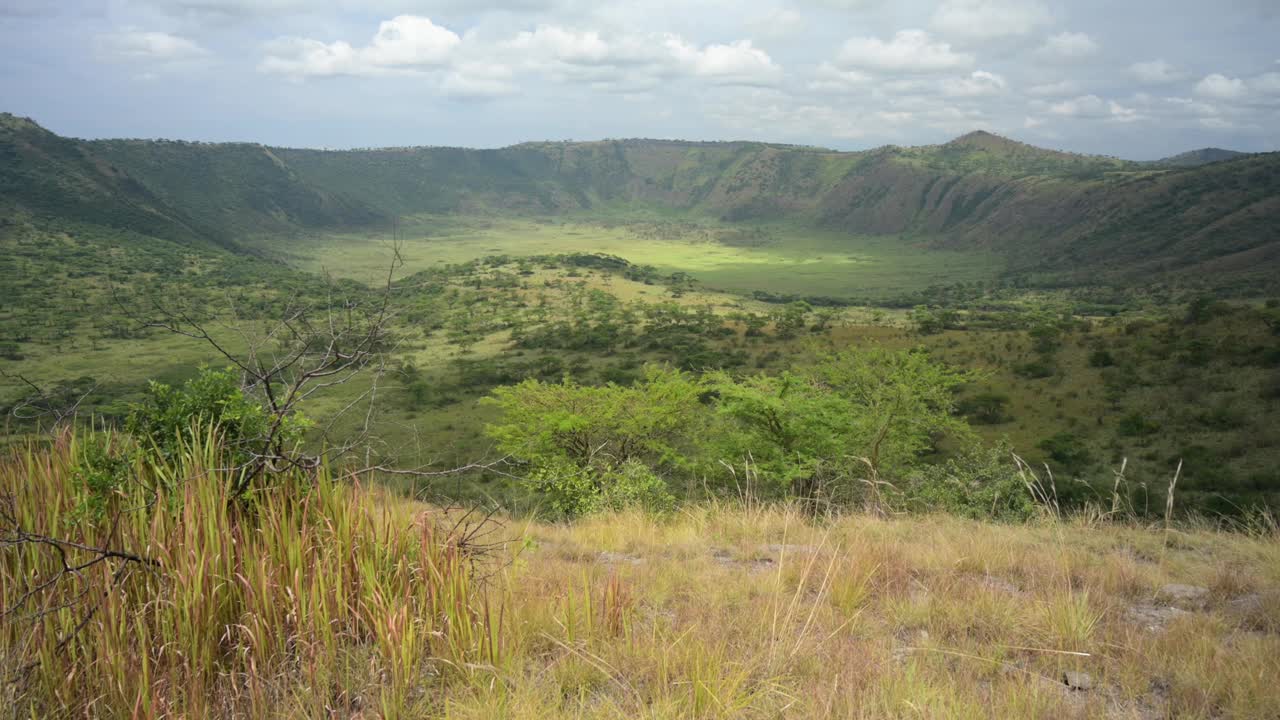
{"x":634,"y":428}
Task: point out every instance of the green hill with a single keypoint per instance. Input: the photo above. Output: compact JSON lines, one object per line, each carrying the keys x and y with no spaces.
{"x":47,"y":178}
{"x":1057,"y":217}
{"x":1203,"y":156}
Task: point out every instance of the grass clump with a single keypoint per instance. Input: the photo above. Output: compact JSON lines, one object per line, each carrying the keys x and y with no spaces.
{"x":312,"y":597}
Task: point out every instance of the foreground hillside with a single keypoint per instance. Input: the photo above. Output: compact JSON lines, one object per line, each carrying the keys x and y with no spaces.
{"x":1055,"y":217}
{"x":322,"y":597}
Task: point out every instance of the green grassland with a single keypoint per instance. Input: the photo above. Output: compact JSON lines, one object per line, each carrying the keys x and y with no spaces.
{"x":1161,"y":393}
{"x":779,"y":258}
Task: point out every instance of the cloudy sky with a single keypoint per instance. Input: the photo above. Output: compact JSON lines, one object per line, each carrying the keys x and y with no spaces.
{"x":1138,"y":79}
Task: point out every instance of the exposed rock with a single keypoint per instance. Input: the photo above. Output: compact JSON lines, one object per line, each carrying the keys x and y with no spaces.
{"x":1000,"y":584}
{"x":612,"y":558}
{"x":724,"y":557}
{"x":790,"y":549}
{"x":1255,"y":611}
{"x":1246,"y":605}
{"x":1184,"y":594}
{"x":1077,"y":680}
{"x":1154,"y":617}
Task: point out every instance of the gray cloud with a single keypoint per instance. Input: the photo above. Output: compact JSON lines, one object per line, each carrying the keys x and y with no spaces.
{"x":1087,"y":75}
{"x":147,"y":46}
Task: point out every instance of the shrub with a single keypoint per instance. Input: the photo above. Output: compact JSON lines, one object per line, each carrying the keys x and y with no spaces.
{"x":985,"y":408}
{"x":1036,"y":369}
{"x":571,"y":491}
{"x":1068,"y":450}
{"x":1101,"y":358}
{"x":101,"y":472}
{"x":635,"y":485}
{"x":211,"y":400}
{"x":982,"y":483}
{"x":1134,"y":425}
{"x":801,"y":429}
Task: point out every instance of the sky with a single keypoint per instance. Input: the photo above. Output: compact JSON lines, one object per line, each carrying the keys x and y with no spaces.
{"x":1137,"y":79}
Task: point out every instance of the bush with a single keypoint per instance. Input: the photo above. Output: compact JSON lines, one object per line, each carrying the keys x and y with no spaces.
{"x":1036,"y":369}
{"x":211,"y":400}
{"x":635,"y":485}
{"x":1135,"y":425}
{"x":985,"y":408}
{"x":1067,"y":450}
{"x":571,"y":491}
{"x":1101,"y":358}
{"x":983,"y":483}
{"x":100,"y":474}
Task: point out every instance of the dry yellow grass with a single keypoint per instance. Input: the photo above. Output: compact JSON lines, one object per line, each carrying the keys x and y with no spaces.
{"x":765,"y":612}
{"x":344,"y":601}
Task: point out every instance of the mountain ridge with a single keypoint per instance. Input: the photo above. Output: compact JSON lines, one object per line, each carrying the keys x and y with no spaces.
{"x":1201,"y":156}
{"x":1060,"y":217}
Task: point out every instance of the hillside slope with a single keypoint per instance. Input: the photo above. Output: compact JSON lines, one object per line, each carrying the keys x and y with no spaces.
{"x":1057,"y":217}
{"x":1203,"y":156}
{"x":47,"y":178}
{"x":341,"y":599}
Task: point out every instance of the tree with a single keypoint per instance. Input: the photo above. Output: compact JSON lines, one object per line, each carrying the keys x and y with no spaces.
{"x":584,"y":442}
{"x":213,"y":400}
{"x":982,"y":483}
{"x":927,"y":323}
{"x":320,"y":338}
{"x":1069,"y":451}
{"x":986,"y":408}
{"x":856,"y":413}
{"x":823,"y":318}
{"x":790,"y":318}
{"x":903,"y":400}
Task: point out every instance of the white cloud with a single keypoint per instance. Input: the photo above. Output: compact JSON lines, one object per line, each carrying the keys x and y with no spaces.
{"x":1221,"y":87}
{"x":1120,"y":113}
{"x":577,"y":47}
{"x":1061,"y":88}
{"x":1069,"y":46}
{"x":829,"y":78}
{"x":410,"y":40}
{"x":1266,"y":83}
{"x":979,"y":84}
{"x":1180,"y":106}
{"x":1082,"y":106}
{"x":980,"y":20}
{"x":478,"y":80}
{"x":1094,"y":107}
{"x":738,"y":63}
{"x":153,"y":46}
{"x":777,"y":23}
{"x":791,"y":119}
{"x":1154,"y":72}
{"x":844,"y":4}
{"x":909,"y":51}
{"x":403,"y":43}
{"x":631,"y":61}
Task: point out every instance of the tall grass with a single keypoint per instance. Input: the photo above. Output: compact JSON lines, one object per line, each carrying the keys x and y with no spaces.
{"x":324,"y":597}
{"x":313,"y":598}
